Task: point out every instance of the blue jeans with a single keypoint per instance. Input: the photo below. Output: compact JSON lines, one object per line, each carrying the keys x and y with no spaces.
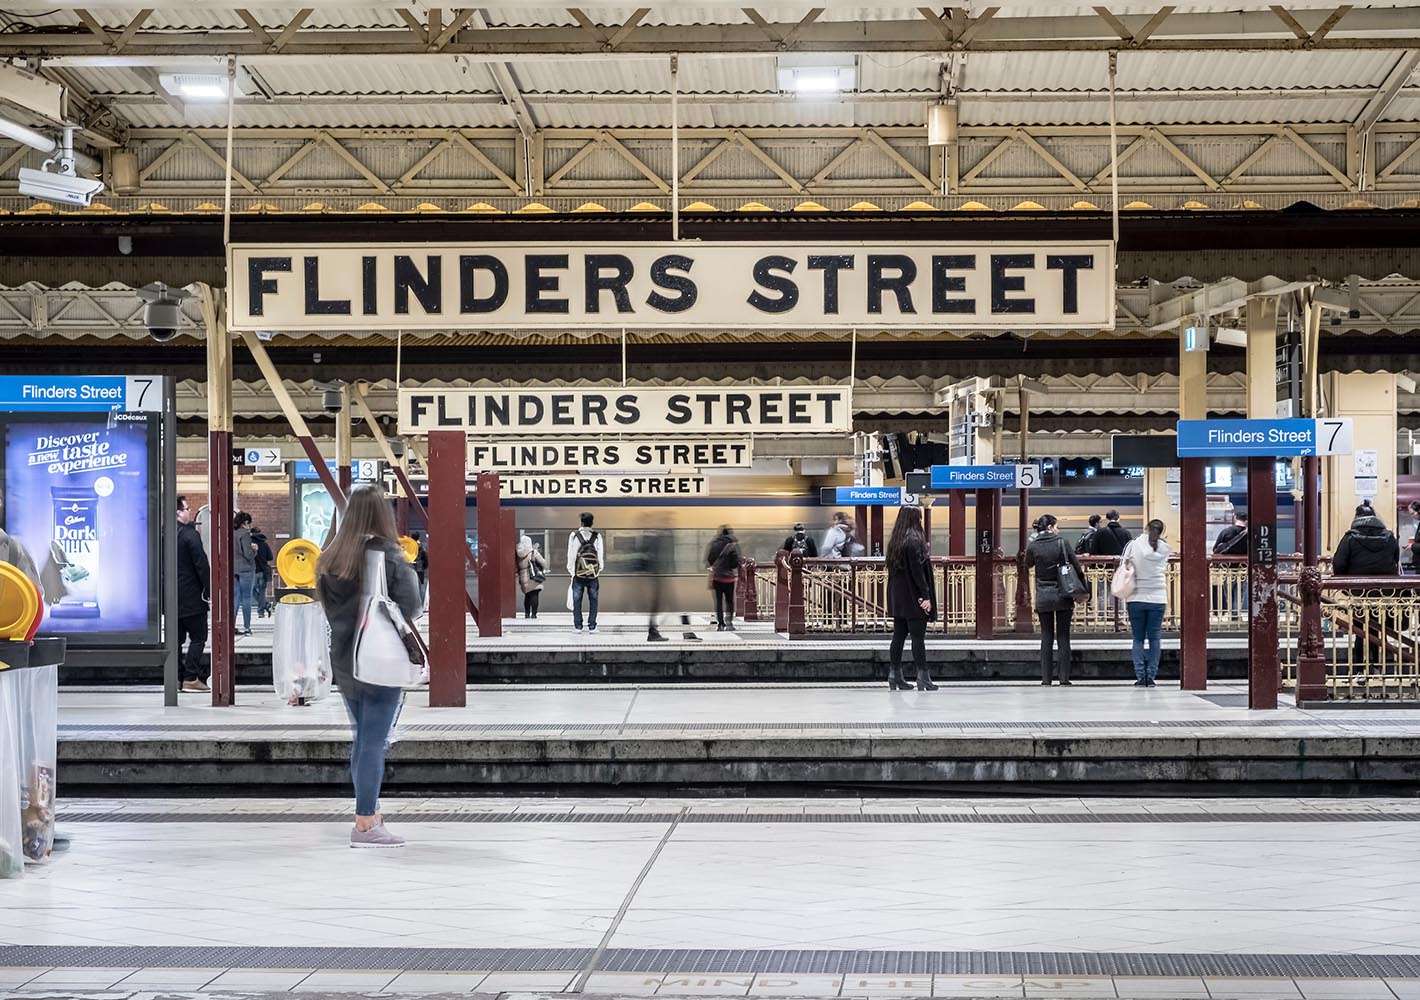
{"x":373,"y":713}
{"x":590,"y":588}
{"x":1147,"y":621}
{"x":246,"y":582}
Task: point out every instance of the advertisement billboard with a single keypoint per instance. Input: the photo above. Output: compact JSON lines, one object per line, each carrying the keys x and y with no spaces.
{"x":80,"y":493}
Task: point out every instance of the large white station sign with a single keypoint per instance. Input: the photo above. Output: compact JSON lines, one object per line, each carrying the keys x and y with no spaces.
{"x":563,"y":487}
{"x":612,"y":285}
{"x":811,"y":409}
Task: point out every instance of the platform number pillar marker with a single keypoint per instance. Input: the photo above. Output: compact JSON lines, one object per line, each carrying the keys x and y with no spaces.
{"x":490,"y":562}
{"x":219,"y":493}
{"x":1025,"y":474}
{"x":448,"y":560}
{"x":1264,"y":673}
{"x":1311,"y":649}
{"x":986,"y":563}
{"x":1193,"y":575}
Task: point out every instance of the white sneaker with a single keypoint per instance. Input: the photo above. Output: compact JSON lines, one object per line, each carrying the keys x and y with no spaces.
{"x":593,"y":630}
{"x":578,"y":630}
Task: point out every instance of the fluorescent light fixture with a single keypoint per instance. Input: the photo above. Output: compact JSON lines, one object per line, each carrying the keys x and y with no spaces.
{"x":817,"y":74}
{"x":196,"y":86}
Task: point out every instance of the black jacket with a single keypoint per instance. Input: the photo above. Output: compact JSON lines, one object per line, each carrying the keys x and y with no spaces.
{"x":1368,"y":549}
{"x":1082,"y":547}
{"x":1045,"y":554}
{"x":342,"y":602}
{"x":810,"y":547}
{"x":1231,"y":541}
{"x":908,"y":583}
{"x":194,"y":575}
{"x":723,"y":556}
{"x":1110,"y":540}
{"x":264,"y":555}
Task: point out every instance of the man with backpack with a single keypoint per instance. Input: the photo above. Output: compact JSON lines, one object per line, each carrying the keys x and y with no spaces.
{"x":1082,"y":547}
{"x":800,"y":541}
{"x":1111,"y":539}
{"x":1232,"y":540}
{"x":585,"y":557}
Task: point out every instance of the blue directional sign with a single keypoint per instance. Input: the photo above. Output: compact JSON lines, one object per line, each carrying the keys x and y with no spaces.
{"x":985,"y":477}
{"x":1264,"y":438}
{"x":80,"y":393}
{"x":362,"y":470}
{"x":861,"y":496}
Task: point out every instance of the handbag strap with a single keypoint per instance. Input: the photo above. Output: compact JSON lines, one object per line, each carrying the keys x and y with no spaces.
{"x":375,"y":566}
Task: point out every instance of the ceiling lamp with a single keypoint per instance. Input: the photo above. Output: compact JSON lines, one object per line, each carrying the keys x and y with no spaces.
{"x":942,"y":124}
{"x":817,"y":74}
{"x":196,"y":86}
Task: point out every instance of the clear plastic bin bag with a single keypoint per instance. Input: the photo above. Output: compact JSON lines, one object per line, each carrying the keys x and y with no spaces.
{"x":37,"y":709}
{"x":12,"y":856}
{"x":300,"y":652}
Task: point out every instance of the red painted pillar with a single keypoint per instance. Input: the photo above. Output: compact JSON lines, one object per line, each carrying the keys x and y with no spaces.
{"x":1193,"y":575}
{"x":860,"y":530}
{"x":401,"y":514}
{"x":448,"y":642}
{"x":224,"y":598}
{"x":956,"y":523}
{"x":796,"y":624}
{"x":927,"y":527}
{"x":1263,"y":669}
{"x":1311,"y":652}
{"x":509,"y":556}
{"x":985,"y":565}
{"x":490,"y":558}
{"x":781,"y":591}
{"x":876,"y":547}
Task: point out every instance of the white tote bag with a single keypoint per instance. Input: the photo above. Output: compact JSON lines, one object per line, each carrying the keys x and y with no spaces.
{"x":1122,"y":586}
{"x":387,"y":653}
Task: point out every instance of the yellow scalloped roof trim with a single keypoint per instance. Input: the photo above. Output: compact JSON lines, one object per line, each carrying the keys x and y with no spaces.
{"x":98,"y":207}
{"x":1028,"y":206}
{"x":427,"y":206}
{"x":315,"y":206}
{"x":754,"y":206}
{"x":1085,"y":206}
{"x":809,"y":206}
{"x":864,"y":206}
{"x":158,"y":206}
{"x":207,"y":206}
{"x":973,"y":206}
{"x":700,"y":206}
{"x":372,"y":206}
{"x":483,"y":208}
{"x":1135,"y":206}
{"x":590,"y":206}
{"x":532,"y":208}
{"x":919,"y":206}
{"x":38,"y":208}
{"x":1193,"y":204}
{"x":645,"y":206}
{"x":1359,"y":203}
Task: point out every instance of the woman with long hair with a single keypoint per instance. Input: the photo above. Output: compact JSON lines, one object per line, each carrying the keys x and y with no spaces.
{"x":723,"y":558}
{"x":366,"y":528}
{"x":1149,"y":555}
{"x":1047,"y":552}
{"x":911,"y":597}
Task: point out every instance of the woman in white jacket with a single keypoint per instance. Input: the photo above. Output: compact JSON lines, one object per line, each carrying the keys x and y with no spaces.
{"x":1149,"y":556}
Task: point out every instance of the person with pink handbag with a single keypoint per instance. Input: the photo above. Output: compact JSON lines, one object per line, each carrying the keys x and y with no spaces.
{"x":1141,"y":582}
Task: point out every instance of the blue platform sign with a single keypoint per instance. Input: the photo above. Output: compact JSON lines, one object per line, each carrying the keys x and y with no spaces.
{"x":80,"y":393}
{"x":985,"y":477}
{"x":1292,"y":438}
{"x":861,"y":496}
{"x":362,"y":470}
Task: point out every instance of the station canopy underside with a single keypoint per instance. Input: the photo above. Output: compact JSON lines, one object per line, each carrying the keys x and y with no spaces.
{"x":527,"y":108}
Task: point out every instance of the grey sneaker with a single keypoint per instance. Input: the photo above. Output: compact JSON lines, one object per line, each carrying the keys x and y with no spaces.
{"x":376,"y":836}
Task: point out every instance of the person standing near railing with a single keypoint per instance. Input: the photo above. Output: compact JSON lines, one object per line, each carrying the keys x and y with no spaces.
{"x":723,"y":559}
{"x":911,"y":597}
{"x":1148,"y":557}
{"x":1047,"y":553}
{"x":1368,"y":549}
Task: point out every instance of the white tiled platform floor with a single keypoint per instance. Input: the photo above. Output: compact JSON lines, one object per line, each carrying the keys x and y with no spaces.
{"x":833,"y":707}
{"x":1166,"y":886}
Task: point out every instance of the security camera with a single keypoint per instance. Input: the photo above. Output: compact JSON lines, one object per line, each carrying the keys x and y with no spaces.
{"x":63,"y":183}
{"x":71,"y":189}
{"x":332,"y":400}
{"x":162,"y":310}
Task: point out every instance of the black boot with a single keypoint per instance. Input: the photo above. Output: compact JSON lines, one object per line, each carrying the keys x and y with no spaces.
{"x":924,"y":681}
{"x":897,"y":682}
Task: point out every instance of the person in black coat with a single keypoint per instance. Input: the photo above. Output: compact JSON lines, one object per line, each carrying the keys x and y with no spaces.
{"x":1053,"y":608}
{"x":1368,"y":549}
{"x":911,"y":597}
{"x":801,"y":541}
{"x":1111,"y":539}
{"x":194,"y":587}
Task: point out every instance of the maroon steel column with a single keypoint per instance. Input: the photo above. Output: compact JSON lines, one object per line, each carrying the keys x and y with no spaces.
{"x":927,"y":527}
{"x":1193,"y":575}
{"x":510,"y":562}
{"x":490,"y":560}
{"x":1263,"y":669}
{"x":448,"y":642}
{"x":860,"y":530}
{"x":781,"y":591}
{"x":796,"y":624}
{"x":1311,"y":652}
{"x":876,"y":546}
{"x":985,"y":564}
{"x":224,"y":598}
{"x":956,"y":523}
{"x":1023,"y":601}
{"x":401,"y":514}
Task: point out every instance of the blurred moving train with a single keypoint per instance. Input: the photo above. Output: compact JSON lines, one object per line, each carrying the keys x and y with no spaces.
{"x":763,"y":509}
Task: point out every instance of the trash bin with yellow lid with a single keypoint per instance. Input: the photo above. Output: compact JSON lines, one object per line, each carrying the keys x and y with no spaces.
{"x":300,"y":641}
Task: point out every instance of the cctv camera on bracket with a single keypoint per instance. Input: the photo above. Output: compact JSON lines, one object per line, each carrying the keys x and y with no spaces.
{"x":162,"y":310}
{"x":62,"y":184}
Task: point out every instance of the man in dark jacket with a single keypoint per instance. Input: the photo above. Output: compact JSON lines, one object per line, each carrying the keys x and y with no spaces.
{"x":1232,"y":540}
{"x":801,"y":541}
{"x":264,"y":558}
{"x":1368,"y":549}
{"x":194,"y":586}
{"x":1082,"y":547}
{"x":1111,"y":539}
